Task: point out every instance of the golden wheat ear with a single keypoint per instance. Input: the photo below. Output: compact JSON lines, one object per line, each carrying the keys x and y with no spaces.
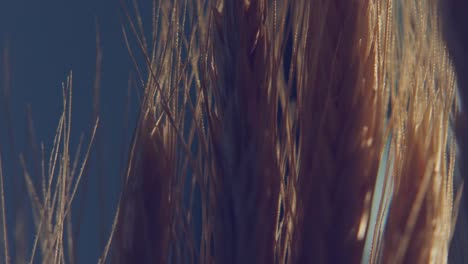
{"x":155,"y":220}
{"x":287,"y":178}
{"x":420,"y":218}
{"x":340,"y":117}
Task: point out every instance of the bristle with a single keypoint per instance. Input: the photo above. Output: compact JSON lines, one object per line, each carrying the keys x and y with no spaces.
{"x":52,"y":209}
{"x":6,"y":253}
{"x":291,"y":178}
{"x":242,"y":126}
{"x":420,"y":221}
{"x":455,"y":34}
{"x":340,"y":126}
{"x":146,"y":208}
{"x":154,"y":223}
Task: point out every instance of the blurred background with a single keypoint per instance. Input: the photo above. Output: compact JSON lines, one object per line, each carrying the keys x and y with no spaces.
{"x":41,"y":42}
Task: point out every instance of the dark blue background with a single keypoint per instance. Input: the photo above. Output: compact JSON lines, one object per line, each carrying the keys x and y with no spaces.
{"x":47,"y":39}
